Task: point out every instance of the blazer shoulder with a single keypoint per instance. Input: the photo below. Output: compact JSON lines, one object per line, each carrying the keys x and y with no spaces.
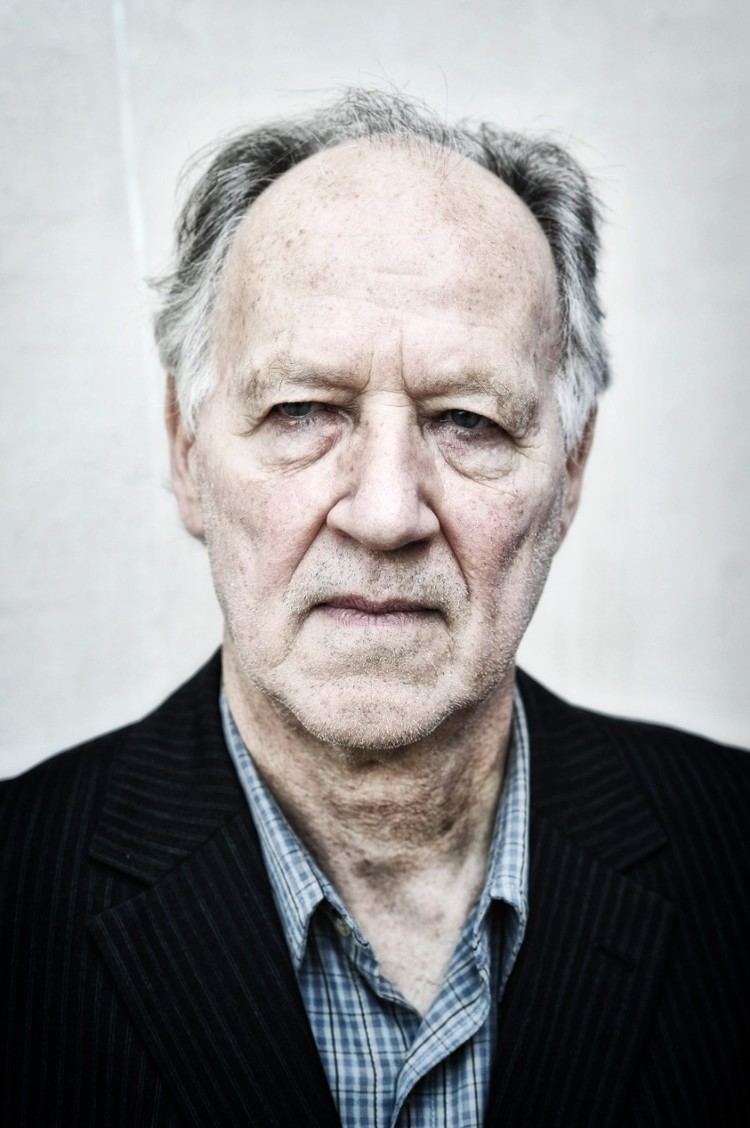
{"x":48,"y":814}
{"x":698,"y":787}
{"x":688,"y":777}
{"x":639,"y":737}
{"x":661,"y":751}
{"x":60,"y":770}
{"x":96,"y":753}
{"x":73,"y":783}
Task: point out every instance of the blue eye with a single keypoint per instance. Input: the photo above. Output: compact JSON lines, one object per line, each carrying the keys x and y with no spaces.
{"x":296,"y":410}
{"x":466,"y":420}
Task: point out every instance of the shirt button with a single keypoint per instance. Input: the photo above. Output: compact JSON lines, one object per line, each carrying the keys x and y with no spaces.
{"x":341,"y":926}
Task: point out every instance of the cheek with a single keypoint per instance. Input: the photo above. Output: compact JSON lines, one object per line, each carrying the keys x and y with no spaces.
{"x":504,"y":532}
{"x":258,"y":528}
{"x":491,"y":528}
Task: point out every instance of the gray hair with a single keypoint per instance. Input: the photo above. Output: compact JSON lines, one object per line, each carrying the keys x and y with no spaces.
{"x":549,"y":181}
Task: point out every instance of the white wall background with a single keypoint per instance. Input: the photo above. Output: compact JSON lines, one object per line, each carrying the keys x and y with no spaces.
{"x":106,"y":603}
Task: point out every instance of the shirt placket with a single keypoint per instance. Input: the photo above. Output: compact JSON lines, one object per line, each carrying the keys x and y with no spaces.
{"x":457,"y":1014}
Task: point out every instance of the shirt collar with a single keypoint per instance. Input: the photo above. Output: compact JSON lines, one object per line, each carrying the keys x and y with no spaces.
{"x":295,"y":879}
{"x":508,"y":868}
{"x":299,"y":886}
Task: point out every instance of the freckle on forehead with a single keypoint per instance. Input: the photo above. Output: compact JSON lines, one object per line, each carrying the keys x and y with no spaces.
{"x":368,"y":216}
{"x":338,"y":187}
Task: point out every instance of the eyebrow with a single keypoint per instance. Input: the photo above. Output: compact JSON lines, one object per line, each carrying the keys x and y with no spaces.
{"x":519,"y":408}
{"x":256,"y":382}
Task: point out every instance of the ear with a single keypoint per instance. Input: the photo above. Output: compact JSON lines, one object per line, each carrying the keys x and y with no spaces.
{"x":182,"y":463}
{"x":574,"y":468}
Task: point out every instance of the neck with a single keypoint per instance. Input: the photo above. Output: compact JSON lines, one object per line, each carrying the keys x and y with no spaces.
{"x":383,"y":818}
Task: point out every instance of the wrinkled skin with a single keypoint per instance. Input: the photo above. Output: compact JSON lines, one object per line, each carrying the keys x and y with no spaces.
{"x":383,"y":428}
{"x":380,"y":480}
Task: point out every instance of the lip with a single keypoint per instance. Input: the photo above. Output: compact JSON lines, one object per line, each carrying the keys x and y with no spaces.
{"x":374,"y":606}
{"x":359,"y":611}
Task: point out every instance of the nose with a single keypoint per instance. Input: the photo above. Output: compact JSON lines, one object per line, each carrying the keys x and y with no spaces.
{"x":386,"y":484}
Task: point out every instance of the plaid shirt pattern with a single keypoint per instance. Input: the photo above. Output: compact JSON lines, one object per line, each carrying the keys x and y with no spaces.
{"x":388,"y":1066}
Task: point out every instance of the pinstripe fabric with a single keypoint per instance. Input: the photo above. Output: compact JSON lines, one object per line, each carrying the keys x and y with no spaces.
{"x":145,"y":977}
{"x":383,"y":1065}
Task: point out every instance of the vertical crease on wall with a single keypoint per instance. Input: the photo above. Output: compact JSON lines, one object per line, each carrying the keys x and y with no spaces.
{"x":148,"y":570}
{"x":127,"y":136}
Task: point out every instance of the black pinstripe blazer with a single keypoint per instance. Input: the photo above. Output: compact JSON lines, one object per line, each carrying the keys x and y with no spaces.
{"x":145,"y":978}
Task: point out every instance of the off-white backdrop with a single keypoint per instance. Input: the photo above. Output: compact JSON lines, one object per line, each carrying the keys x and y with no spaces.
{"x":106,"y":602}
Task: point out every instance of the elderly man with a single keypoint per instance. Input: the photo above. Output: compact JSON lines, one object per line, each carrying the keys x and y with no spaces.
{"x":360,"y":870}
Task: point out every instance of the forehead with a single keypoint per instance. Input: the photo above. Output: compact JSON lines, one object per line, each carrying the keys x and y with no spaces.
{"x":381,"y":230}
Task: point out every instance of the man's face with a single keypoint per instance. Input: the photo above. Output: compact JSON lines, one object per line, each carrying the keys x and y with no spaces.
{"x":379,"y":474}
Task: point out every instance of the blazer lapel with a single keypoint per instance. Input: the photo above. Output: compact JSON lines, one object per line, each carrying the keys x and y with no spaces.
{"x":199,"y":956}
{"x":200,"y":961}
{"x":583,"y":989}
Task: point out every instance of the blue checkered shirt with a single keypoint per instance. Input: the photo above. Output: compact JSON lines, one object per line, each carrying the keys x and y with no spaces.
{"x":387,"y":1066}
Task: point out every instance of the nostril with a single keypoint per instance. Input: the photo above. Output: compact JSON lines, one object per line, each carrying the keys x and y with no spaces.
{"x":383,"y":504}
{"x":382,"y":522}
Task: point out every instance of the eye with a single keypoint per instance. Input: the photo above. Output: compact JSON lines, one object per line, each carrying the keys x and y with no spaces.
{"x":298,"y":410}
{"x":302,"y":415}
{"x":465,"y":420}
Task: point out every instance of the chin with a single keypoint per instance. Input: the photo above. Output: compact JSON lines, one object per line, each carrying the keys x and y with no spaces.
{"x":377,"y":718}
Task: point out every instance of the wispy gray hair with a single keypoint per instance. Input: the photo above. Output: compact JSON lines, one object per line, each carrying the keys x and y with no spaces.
{"x":549,"y":181}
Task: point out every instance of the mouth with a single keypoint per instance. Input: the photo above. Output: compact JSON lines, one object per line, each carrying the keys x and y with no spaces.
{"x":358,"y":610}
